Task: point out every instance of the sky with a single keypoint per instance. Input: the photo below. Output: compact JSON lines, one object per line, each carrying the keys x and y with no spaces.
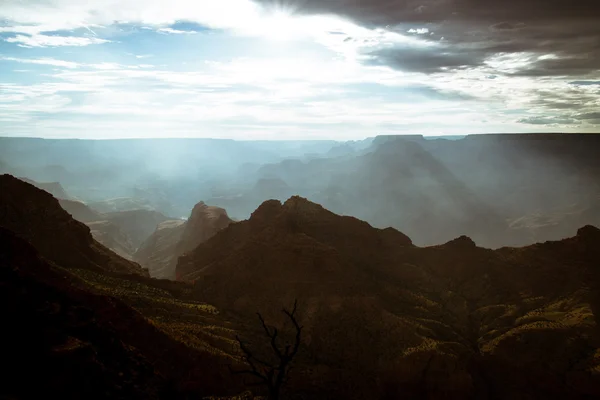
{"x":297,"y":69}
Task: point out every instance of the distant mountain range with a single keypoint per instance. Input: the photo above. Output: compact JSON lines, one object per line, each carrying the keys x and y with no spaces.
{"x":478,"y":185}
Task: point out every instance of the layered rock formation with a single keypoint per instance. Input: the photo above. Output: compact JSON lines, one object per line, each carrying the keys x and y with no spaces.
{"x":173,"y":238}
{"x":38,"y":217}
{"x":386,"y":319}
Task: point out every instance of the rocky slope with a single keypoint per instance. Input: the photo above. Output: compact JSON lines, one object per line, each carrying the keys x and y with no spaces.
{"x":384,"y":318}
{"x":39,"y":218}
{"x":173,"y":238}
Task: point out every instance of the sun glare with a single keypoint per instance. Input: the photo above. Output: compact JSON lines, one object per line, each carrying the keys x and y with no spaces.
{"x":281,"y":25}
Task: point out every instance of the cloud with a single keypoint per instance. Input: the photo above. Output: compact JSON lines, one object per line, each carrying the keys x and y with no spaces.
{"x":360,"y":65}
{"x":175,"y":31}
{"x":39,"y":40}
{"x":43,"y":61}
{"x":72,"y":14}
{"x":419,"y":31}
{"x":473,"y":30}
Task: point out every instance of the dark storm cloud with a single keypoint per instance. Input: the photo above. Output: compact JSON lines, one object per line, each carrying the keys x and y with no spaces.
{"x":389,"y":12}
{"x":547,"y":121}
{"x":564,"y":100}
{"x":423,"y":60}
{"x":474,"y":30}
{"x":592,"y":115}
{"x":507,"y":26}
{"x":585,"y":83}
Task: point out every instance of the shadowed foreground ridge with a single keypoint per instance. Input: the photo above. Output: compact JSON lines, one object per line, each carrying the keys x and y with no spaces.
{"x":381,"y":318}
{"x":386,"y":319}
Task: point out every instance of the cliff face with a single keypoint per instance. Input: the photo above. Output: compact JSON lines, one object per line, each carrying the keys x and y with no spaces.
{"x":385,"y":318}
{"x":159,"y":252}
{"x":173,"y":238}
{"x":39,"y":218}
{"x":138,"y":225}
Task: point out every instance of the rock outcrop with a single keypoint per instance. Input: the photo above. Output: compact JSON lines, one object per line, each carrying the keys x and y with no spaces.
{"x":173,"y":238}
{"x":202,"y":224}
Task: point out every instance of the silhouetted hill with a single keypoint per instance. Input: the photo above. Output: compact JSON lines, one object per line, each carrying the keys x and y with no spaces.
{"x":38,"y":217}
{"x":386,"y":319}
{"x":173,"y":238}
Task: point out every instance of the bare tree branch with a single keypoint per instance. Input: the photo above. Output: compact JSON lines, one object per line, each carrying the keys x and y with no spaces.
{"x":272,"y":376}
